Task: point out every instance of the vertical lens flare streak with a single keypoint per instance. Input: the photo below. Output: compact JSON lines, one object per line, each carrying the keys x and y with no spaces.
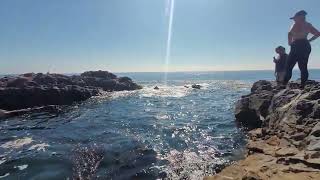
{"x":170,"y":15}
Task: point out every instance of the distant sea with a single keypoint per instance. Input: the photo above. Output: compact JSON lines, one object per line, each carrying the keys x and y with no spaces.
{"x":174,"y":132}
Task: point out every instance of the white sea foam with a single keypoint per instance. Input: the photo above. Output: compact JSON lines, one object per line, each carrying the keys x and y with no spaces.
{"x":113,"y":95}
{"x":22,"y":167}
{"x":165,"y":91}
{"x":190,"y":164}
{"x":39,"y":147}
{"x":16,"y":144}
{"x":7,"y":174}
{"x":176,"y":91}
{"x":2,"y":161}
{"x":162,"y":117}
{"x":120,"y":94}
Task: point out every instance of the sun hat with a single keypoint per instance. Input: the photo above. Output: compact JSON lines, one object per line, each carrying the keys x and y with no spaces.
{"x":300,"y":13}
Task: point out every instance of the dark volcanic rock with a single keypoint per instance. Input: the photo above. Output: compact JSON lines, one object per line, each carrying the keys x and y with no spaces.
{"x":261,"y":85}
{"x":292,"y":112}
{"x":246,"y":116}
{"x":21,"y":98}
{"x":279,"y":108}
{"x":196,"y":86}
{"x":35,"y":90}
{"x":18,"y":82}
{"x":252,"y":109}
{"x":108,"y":81}
{"x":99,"y":74}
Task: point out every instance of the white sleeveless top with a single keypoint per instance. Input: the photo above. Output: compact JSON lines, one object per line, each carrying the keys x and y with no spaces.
{"x":302,"y":34}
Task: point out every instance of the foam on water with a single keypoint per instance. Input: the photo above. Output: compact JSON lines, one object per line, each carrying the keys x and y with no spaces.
{"x":39,"y":147}
{"x":165,"y":91}
{"x":5,"y":175}
{"x":191,"y":165}
{"x":18,"y":143}
{"x":162,"y":116}
{"x":22,"y":167}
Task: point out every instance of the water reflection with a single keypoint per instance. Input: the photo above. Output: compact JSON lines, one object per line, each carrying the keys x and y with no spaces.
{"x":174,"y":132}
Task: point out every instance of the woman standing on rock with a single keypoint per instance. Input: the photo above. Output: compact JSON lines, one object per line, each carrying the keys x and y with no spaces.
{"x":300,"y":46}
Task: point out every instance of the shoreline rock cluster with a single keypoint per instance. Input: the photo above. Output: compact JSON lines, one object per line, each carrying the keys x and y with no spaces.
{"x":28,"y":92}
{"x":283,"y":133}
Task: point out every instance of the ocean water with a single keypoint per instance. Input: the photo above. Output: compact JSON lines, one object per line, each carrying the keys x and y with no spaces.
{"x":171,"y":133}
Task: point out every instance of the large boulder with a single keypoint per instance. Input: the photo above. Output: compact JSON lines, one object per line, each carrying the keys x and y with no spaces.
{"x":125,"y":80}
{"x":251,"y":110}
{"x":21,"y":98}
{"x":262,"y":85}
{"x":196,"y":86}
{"x":108,"y":81}
{"x":246,"y":116}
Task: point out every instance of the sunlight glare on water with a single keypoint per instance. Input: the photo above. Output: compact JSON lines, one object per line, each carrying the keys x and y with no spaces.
{"x":170,"y":14}
{"x":175,"y":132}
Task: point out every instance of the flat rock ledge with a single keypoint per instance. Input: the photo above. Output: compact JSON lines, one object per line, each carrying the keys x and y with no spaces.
{"x":35,"y":92}
{"x":283,"y":133}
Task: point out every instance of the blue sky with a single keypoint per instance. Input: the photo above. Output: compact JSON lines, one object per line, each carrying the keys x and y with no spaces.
{"x":130,"y":35}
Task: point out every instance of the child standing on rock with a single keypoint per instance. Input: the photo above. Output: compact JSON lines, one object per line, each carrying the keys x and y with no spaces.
{"x":280,"y":61}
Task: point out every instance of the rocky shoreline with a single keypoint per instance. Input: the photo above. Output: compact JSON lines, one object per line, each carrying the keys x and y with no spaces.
{"x":283,"y":133}
{"x":44,"y":92}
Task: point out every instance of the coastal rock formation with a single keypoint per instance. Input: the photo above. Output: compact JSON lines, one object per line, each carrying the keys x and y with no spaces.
{"x":252,"y":109}
{"x":284,"y":136}
{"x":36,"y":90}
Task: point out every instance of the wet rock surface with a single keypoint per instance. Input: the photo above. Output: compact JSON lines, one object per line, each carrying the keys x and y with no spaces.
{"x":283,"y":126}
{"x":37,"y":90}
{"x":196,"y":86}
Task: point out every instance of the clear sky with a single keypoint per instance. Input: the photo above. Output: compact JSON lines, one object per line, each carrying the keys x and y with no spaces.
{"x":130,"y":35}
